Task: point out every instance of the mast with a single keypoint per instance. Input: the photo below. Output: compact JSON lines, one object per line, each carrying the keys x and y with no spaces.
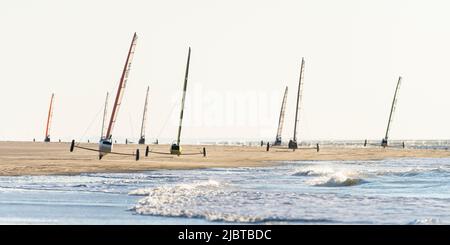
{"x":184,"y":96}
{"x":49,"y":119}
{"x":144,"y":118}
{"x":281,"y":119}
{"x":105,"y":112}
{"x":121,"y":88}
{"x":393,"y":106}
{"x":299,"y":98}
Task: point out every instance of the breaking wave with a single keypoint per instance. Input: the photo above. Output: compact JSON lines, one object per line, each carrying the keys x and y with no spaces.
{"x":327,"y":177}
{"x":338,"y":182}
{"x":332,"y":176}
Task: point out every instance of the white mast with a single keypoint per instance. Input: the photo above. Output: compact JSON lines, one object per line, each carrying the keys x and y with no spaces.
{"x":281,"y":119}
{"x":293,"y":142}
{"x":144,"y":119}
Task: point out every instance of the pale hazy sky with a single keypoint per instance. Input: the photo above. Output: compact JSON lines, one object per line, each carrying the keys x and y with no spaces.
{"x":243,"y":55}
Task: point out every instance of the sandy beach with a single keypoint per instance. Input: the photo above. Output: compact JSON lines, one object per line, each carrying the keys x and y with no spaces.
{"x":29,"y":158}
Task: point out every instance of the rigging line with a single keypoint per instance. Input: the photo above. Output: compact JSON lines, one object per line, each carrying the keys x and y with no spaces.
{"x":167,"y":118}
{"x":90,"y":125}
{"x":131,"y":125}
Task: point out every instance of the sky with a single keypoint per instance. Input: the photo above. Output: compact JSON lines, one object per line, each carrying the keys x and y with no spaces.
{"x":244,"y":53}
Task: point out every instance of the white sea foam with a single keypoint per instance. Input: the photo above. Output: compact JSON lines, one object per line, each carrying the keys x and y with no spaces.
{"x":192,"y":200}
{"x":215,"y":201}
{"x":220,"y":202}
{"x":180,"y":187}
{"x":426,"y":221}
{"x":141,"y":192}
{"x":402,"y":191}
{"x":313,"y":171}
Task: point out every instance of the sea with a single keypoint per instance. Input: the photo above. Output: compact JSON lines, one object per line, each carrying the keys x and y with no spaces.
{"x":390,"y":191}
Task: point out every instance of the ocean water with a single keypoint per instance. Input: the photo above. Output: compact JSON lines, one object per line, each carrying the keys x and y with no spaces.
{"x":391,"y":191}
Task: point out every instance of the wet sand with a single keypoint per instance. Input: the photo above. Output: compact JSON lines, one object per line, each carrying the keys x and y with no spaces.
{"x":29,"y":158}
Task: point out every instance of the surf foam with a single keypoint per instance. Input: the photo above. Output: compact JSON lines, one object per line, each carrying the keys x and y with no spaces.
{"x":338,"y":179}
{"x":216,"y":201}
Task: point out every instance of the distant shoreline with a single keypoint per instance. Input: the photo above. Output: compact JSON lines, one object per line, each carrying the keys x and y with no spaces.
{"x":38,"y":158}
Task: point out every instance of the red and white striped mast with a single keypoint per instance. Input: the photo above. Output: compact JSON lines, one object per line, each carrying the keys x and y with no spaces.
{"x":105,"y":144}
{"x":121,"y":88}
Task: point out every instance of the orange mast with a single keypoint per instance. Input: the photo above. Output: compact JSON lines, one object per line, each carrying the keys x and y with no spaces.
{"x":49,"y":119}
